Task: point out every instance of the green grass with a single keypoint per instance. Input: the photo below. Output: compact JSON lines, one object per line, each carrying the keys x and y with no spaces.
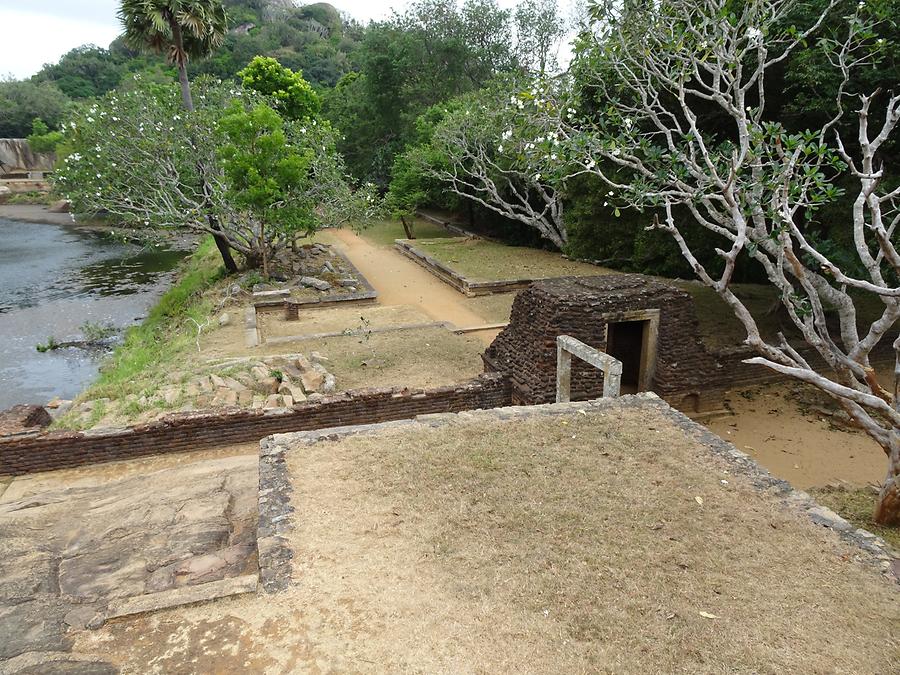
{"x":31,"y":197}
{"x":166,"y":336}
{"x":383,"y":233}
{"x":857,"y":506}
{"x":481,"y":260}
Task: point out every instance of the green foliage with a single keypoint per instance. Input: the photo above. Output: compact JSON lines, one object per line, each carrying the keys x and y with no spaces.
{"x":165,"y":332}
{"x":48,"y":346}
{"x":294,"y":97}
{"x":266,"y":172}
{"x":84,"y":72}
{"x":21,"y":102}
{"x":41,"y":139}
{"x":181,"y":29}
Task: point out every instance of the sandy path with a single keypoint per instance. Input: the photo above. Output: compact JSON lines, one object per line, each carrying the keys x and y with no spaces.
{"x":400,"y":281}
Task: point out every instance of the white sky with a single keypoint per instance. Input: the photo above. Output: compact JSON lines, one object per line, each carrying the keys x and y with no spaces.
{"x":35,"y":32}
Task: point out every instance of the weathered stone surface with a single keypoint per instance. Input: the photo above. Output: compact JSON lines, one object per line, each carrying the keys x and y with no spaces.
{"x":183,"y":596}
{"x":313,"y":282}
{"x":68,"y":551}
{"x":312,"y":380}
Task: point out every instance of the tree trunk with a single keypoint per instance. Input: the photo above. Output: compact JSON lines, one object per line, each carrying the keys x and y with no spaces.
{"x":887,"y":510}
{"x":407,"y":228}
{"x":181,"y":63}
{"x":222,"y":245}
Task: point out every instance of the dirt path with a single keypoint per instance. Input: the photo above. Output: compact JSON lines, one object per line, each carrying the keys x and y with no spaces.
{"x":400,"y":281}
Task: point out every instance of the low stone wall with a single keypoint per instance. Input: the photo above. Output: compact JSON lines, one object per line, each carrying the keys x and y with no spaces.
{"x":182,"y":432}
{"x":450,"y":276}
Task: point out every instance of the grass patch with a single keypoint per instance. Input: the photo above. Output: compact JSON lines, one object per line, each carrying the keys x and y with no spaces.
{"x":581,"y":542}
{"x":857,"y":505}
{"x":494,"y":308}
{"x":165,"y":338}
{"x":32,"y":197}
{"x":383,"y":233}
{"x":481,"y":260}
{"x":427,"y":357}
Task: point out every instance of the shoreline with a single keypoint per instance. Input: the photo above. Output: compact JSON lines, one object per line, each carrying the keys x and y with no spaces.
{"x":40,"y":214}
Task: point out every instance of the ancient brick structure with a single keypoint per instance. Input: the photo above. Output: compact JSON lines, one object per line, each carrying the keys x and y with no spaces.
{"x":23,"y":419}
{"x":180,"y":432}
{"x":649,"y":325}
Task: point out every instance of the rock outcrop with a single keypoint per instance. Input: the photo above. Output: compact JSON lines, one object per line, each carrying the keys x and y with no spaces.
{"x":17,"y":157}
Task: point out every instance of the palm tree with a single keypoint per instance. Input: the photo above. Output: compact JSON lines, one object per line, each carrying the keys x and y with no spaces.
{"x":183,"y":29}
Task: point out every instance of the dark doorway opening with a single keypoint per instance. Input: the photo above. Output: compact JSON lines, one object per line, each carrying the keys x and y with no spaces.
{"x":625,"y":341}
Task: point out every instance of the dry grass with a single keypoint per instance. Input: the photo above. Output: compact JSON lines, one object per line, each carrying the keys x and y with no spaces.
{"x":552,"y":545}
{"x":482,"y":260}
{"x":494,"y":308}
{"x":337,"y":318}
{"x":383,"y":233}
{"x":570,"y":546}
{"x":427,"y":357}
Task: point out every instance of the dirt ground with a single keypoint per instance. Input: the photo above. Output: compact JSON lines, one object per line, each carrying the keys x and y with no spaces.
{"x":339,"y":318}
{"x":797,"y":441}
{"x":400,"y":281}
{"x":608,"y":542}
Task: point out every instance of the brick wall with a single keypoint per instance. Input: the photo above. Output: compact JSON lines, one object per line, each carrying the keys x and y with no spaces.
{"x":526,"y":349}
{"x":194,"y":431}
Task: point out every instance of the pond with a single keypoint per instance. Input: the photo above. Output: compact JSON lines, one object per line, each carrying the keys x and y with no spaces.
{"x":53,"y":280}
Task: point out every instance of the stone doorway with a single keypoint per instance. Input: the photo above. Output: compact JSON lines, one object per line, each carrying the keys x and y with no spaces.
{"x":631,"y":338}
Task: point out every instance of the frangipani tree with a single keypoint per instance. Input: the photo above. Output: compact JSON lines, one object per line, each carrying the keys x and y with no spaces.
{"x":484,"y":149}
{"x":234,"y":162}
{"x":666,"y":76}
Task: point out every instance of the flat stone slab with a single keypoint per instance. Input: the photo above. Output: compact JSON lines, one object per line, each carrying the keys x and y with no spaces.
{"x":187,"y":595}
{"x":76,"y":548}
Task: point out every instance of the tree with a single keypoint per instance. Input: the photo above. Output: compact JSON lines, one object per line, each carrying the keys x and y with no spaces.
{"x":432,"y":51}
{"x":183,"y":29}
{"x":293,"y":95}
{"x":84,"y":72}
{"x":665,"y":79}
{"x":539,"y":31}
{"x":21,"y":101}
{"x":487,"y":148}
{"x":233,"y":168}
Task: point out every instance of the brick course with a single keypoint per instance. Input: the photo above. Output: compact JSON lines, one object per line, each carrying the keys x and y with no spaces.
{"x":182,"y":432}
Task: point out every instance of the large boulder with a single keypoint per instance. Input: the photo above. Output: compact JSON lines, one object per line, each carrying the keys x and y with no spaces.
{"x":5,"y":194}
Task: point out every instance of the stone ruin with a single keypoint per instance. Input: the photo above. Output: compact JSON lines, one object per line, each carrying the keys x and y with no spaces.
{"x":647,"y":324}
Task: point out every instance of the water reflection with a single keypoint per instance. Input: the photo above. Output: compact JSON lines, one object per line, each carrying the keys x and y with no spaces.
{"x":53,"y":279}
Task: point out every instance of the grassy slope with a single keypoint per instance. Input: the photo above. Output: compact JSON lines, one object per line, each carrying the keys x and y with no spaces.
{"x":164,"y":338}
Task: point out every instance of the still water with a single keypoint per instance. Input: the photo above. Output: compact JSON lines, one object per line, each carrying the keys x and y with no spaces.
{"x":55,"y":278}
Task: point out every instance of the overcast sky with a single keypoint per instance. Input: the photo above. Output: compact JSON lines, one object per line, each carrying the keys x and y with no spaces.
{"x":36,"y":32}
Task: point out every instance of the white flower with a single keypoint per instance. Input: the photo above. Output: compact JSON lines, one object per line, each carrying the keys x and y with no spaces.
{"x":506,"y":134}
{"x":609,"y":194}
{"x":553,"y":155}
{"x":499,"y":148}
{"x":591,"y":163}
{"x":754,"y":34}
{"x":537,"y":176}
{"x":628,"y":122}
{"x":99,"y":176}
{"x":616,"y":152}
{"x":90,"y":119}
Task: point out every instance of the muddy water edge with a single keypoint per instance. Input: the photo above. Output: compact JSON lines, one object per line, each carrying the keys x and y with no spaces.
{"x":55,"y":278}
